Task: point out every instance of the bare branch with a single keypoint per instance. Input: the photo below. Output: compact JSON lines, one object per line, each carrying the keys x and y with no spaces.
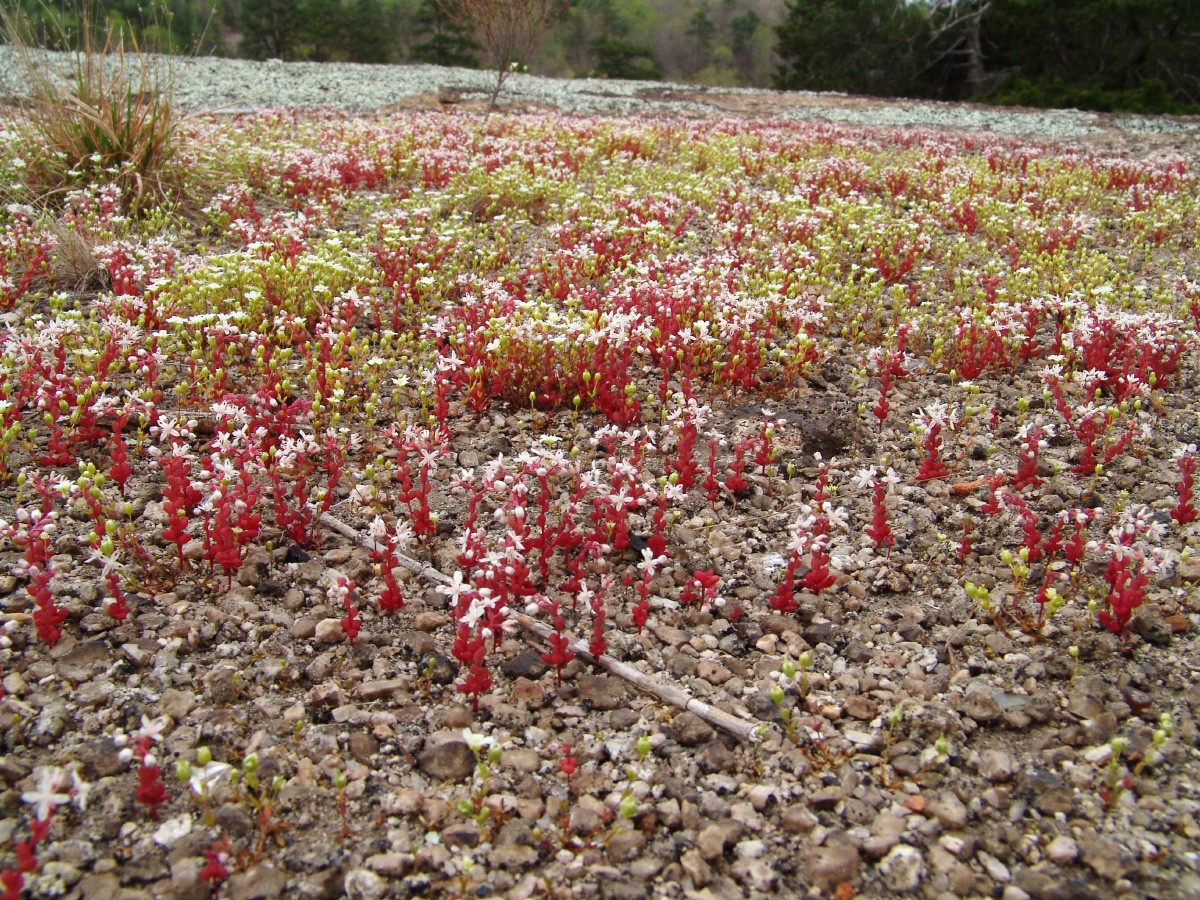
{"x":507,"y":31}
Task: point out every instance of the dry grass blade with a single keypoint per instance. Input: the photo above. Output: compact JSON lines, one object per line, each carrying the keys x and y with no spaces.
{"x":74,"y":266}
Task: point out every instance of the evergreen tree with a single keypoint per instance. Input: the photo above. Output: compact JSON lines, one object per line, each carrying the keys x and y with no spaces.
{"x":618,"y":58}
{"x":859,"y":46}
{"x":368,"y":38}
{"x":741,"y":30}
{"x":324,"y":30}
{"x":702,"y":27}
{"x":271,"y":29}
{"x":1096,"y":54}
{"x":443,"y":42}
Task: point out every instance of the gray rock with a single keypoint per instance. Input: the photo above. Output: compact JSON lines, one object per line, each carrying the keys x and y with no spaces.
{"x":439,"y":668}
{"x":588,"y":816}
{"x":363,"y":884}
{"x":49,"y":725}
{"x":714,"y":840}
{"x":885,"y":834}
{"x":981,"y":705}
{"x":304,"y":628}
{"x":1062,"y":850}
{"x":99,"y":887}
{"x":140,"y":652}
{"x":186,"y":883}
{"x":363,"y":746}
{"x":716,"y":757}
{"x":860,"y":707}
{"x":995,"y":869}
{"x":99,"y":758}
{"x":512,"y":856}
{"x":62,"y":872}
{"x":320,"y":668}
{"x":646,"y":867}
{"x":222,"y":686}
{"x":696,"y":868}
{"x":526,"y":664}
{"x":830,"y":866}
{"x":690,"y":730}
{"x":329,"y":631}
{"x":235,"y":819}
{"x":763,"y":796}
{"x":522,"y":759}
{"x":462,"y":834}
{"x":448,"y":761}
{"x":390,"y":865}
{"x":1107,"y":858}
{"x":380,"y":690}
{"x":83,"y":660}
{"x":1101,"y":729}
{"x":626,"y":845}
{"x":797,"y":819}
{"x":177,"y":704}
{"x":1087,"y":696}
{"x":996,"y":765}
{"x":826,"y":797}
{"x":262,"y":882}
{"x":757,"y":873}
{"x":1047,"y":791}
{"x":602,"y":691}
{"x":949,"y":810}
{"x":902,"y":869}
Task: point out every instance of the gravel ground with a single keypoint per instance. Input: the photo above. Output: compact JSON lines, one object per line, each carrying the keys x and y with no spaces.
{"x":997,"y":777}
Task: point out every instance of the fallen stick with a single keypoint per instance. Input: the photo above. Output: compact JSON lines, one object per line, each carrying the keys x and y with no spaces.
{"x":668,"y":693}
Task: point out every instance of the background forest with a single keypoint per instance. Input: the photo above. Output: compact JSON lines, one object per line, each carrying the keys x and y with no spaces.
{"x":1119,"y":55}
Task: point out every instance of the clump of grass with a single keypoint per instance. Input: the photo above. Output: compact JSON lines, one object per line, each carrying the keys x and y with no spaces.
{"x":106,"y":117}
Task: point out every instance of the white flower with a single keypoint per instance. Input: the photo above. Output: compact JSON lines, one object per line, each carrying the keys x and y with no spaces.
{"x":377,"y":529}
{"x":477,"y":741}
{"x":891,"y":479}
{"x":151,"y":728}
{"x":673,"y":492}
{"x":79,"y":787}
{"x":474,"y":613}
{"x":650,"y":563}
{"x":938,"y":414}
{"x":455,"y":589}
{"x":799,"y":542}
{"x":585,"y":595}
{"x":47,"y":795}
{"x":206,"y":777}
{"x":108,"y":562}
{"x":865,"y":479}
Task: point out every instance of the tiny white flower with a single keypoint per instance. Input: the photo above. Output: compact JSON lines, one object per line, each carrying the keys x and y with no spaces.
{"x":47,"y":795}
{"x":206,"y":777}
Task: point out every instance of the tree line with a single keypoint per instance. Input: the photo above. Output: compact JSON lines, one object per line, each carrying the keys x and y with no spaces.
{"x":1112,"y":55}
{"x":1094,"y":54}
